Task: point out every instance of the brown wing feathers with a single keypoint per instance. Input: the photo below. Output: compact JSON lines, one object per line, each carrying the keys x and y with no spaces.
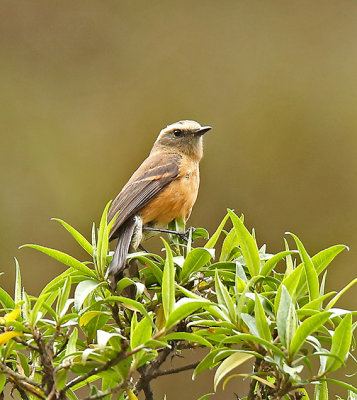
{"x":154,"y":174}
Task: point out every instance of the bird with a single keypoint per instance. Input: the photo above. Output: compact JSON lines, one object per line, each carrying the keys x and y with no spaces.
{"x":163,"y":188}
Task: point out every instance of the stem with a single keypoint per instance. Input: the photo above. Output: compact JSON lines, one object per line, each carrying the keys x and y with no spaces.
{"x":112,"y":390}
{"x":19,"y":377}
{"x":175,"y":370}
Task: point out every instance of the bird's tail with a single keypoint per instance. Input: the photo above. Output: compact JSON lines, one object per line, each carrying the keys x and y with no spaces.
{"x":118,"y":263}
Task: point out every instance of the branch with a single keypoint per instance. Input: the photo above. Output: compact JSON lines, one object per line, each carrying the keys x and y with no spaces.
{"x":19,"y":377}
{"x":175,"y":370}
{"x":46,"y":358}
{"x":119,"y":357}
{"x":112,"y":390}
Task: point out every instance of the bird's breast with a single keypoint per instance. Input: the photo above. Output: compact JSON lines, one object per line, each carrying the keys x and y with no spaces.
{"x":176,"y":200}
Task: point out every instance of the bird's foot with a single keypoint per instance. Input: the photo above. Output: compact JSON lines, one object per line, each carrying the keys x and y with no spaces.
{"x":183,"y":235}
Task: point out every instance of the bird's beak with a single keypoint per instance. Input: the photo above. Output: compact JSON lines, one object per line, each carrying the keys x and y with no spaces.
{"x":202,"y":130}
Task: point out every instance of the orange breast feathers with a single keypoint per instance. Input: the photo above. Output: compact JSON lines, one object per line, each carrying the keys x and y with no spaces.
{"x":177,"y":199}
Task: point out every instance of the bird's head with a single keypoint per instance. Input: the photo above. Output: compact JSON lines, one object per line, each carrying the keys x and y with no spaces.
{"x":183,"y":137}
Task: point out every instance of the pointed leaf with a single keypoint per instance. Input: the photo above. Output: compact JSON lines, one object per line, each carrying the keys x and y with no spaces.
{"x":184,"y":307}
{"x":311,"y":274}
{"x":224,"y":298}
{"x":81,"y":240}
{"x":261,"y":320}
{"x":195,"y":260}
{"x":72,"y":343}
{"x":271,"y":263}
{"x":168,"y":283}
{"x":18,"y":285}
{"x":229,"y":243}
{"x":63,"y":258}
{"x":6,"y":300}
{"x":286,"y":318}
{"x":214,"y":238}
{"x":247,"y":245}
{"x":341,"y":342}
{"x":307,"y":327}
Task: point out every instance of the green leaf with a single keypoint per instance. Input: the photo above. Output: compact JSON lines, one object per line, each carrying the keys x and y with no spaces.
{"x":103,"y":238}
{"x":2,"y":382}
{"x":249,"y":320}
{"x":310,"y":271}
{"x":321,"y":260}
{"x":36,"y":309}
{"x":341,"y":342}
{"x":228,"y":244}
{"x":229,"y":364}
{"x":321,"y":391}
{"x":207,"y":362}
{"x":183,"y":308}
{"x":291,"y":283}
{"x":195,"y":260}
{"x":81,"y":240}
{"x":63,"y":258}
{"x":18,"y":285}
{"x":353,"y":389}
{"x":308,"y":326}
{"x":206,"y":396}
{"x":255,"y":339}
{"x":247,"y":245}
{"x":132,"y":305}
{"x":340,"y":293}
{"x":261,"y":320}
{"x":6,"y":300}
{"x":72,"y":343}
{"x":214,"y":238}
{"x":189,"y":337}
{"x":142,"y":333}
{"x":168,"y":283}
{"x":82,"y":291}
{"x":63,"y":295}
{"x":286,"y":318}
{"x":24,"y":364}
{"x":200,"y":233}
{"x":151,"y":265}
{"x":88,"y":316}
{"x":224,"y":298}
{"x":271,"y":263}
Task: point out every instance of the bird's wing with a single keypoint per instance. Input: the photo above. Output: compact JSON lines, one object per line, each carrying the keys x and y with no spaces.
{"x":153,"y":175}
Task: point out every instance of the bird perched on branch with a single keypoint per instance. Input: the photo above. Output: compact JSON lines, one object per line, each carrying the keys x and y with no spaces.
{"x":163,"y":188}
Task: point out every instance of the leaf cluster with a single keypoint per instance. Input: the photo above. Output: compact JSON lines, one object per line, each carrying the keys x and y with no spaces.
{"x":239,"y":302}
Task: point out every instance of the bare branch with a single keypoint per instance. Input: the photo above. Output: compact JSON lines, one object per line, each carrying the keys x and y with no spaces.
{"x":175,"y":370}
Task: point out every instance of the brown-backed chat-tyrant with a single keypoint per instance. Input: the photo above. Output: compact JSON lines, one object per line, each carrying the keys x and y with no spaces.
{"x":163,"y":188}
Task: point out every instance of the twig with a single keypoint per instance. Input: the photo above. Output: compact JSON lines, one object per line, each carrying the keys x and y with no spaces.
{"x":175,"y":370}
{"x":23,"y":387}
{"x":119,"y":357}
{"x":112,"y":390}
{"x":28,"y":345}
{"x":19,"y":377}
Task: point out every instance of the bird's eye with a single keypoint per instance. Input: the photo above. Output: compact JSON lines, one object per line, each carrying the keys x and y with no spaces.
{"x":178,"y":132}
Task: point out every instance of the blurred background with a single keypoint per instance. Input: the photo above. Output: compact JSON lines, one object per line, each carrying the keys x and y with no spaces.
{"x":85,"y":88}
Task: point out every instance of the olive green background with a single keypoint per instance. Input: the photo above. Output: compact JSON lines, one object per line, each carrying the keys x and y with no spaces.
{"x":85,"y":87}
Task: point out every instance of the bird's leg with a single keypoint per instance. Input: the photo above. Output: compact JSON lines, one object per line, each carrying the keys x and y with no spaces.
{"x":182,"y":235}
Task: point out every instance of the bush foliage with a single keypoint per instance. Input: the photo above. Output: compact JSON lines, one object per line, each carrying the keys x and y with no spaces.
{"x":79,"y":336}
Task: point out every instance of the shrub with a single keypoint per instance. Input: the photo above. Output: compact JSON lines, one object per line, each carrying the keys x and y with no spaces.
{"x":233,"y":302}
